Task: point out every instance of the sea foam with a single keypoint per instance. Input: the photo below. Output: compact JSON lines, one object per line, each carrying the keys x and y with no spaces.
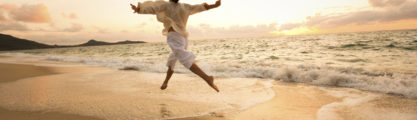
{"x":371,"y":80}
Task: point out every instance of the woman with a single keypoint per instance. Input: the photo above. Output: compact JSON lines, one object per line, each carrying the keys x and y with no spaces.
{"x":174,"y":16}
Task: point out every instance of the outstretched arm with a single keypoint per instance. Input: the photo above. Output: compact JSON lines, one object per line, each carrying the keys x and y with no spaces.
{"x":149,"y":7}
{"x":217,"y":4}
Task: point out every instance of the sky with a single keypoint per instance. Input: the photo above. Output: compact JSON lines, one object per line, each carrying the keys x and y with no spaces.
{"x":77,"y":21}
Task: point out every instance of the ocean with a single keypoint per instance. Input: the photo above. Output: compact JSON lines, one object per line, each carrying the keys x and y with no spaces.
{"x":382,"y":61}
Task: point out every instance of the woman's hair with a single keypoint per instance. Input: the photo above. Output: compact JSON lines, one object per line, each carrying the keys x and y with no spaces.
{"x":175,"y":1}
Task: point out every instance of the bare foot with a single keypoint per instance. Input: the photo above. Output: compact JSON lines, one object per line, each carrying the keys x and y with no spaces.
{"x":211,"y":83}
{"x":164,"y":86}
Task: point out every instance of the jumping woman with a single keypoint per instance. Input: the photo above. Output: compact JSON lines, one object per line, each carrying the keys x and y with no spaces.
{"x":174,"y":16}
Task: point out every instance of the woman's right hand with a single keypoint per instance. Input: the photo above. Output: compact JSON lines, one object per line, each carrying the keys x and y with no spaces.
{"x":134,"y":8}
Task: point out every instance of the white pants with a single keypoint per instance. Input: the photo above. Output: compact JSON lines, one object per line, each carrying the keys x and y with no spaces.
{"x":178,"y":45}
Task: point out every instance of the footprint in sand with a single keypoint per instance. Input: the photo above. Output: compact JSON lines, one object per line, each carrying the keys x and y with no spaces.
{"x":164,"y":111}
{"x":217,"y":114}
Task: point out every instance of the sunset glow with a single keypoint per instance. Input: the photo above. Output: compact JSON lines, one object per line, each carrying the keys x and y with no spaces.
{"x":70,"y":22}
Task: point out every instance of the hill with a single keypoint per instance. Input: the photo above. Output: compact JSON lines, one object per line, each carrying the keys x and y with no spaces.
{"x":8,"y":42}
{"x":98,"y":43}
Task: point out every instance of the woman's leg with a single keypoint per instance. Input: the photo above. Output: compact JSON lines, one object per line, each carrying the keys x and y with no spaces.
{"x":169,"y":74}
{"x":178,"y":45}
{"x":170,"y":64}
{"x":209,"y":79}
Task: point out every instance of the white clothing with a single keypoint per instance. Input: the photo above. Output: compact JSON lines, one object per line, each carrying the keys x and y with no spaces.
{"x":171,"y":14}
{"x":178,"y":45}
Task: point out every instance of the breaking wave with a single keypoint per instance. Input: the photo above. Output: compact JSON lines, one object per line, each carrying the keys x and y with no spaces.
{"x":389,"y":82}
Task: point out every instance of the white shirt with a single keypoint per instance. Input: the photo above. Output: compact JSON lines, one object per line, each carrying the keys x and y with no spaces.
{"x":171,"y":14}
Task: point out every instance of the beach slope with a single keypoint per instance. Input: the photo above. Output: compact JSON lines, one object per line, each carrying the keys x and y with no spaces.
{"x":41,"y":89}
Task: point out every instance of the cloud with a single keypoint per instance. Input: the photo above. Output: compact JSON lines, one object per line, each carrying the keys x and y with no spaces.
{"x":383,"y":11}
{"x":7,"y":7}
{"x":207,"y":31}
{"x":4,"y":9}
{"x":289,"y":26}
{"x":70,"y":16}
{"x":73,"y":16}
{"x":31,"y":13}
{"x":384,"y":3}
{"x":2,"y":17}
{"x":74,"y":28}
{"x":13,"y":26}
{"x":26,"y":13}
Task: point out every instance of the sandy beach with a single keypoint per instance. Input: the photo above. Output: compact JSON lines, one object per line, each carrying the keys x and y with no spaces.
{"x":70,"y":90}
{"x":36,"y":89}
{"x":13,"y":72}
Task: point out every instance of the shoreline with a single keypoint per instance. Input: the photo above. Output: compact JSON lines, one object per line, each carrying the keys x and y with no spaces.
{"x":106,"y":90}
{"x":50,"y":79}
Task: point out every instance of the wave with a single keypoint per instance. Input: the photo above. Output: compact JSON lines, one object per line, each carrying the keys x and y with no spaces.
{"x":396,"y":83}
{"x":404,"y":84}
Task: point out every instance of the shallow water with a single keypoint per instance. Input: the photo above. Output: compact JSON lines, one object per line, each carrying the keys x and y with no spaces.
{"x":376,"y":61}
{"x":126,"y":95}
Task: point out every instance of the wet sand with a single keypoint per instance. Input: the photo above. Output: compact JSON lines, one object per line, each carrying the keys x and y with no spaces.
{"x":67,"y":90}
{"x":41,"y":115}
{"x":296,"y":101}
{"x":291,"y":102}
{"x":13,"y":72}
{"x":32,"y":89}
